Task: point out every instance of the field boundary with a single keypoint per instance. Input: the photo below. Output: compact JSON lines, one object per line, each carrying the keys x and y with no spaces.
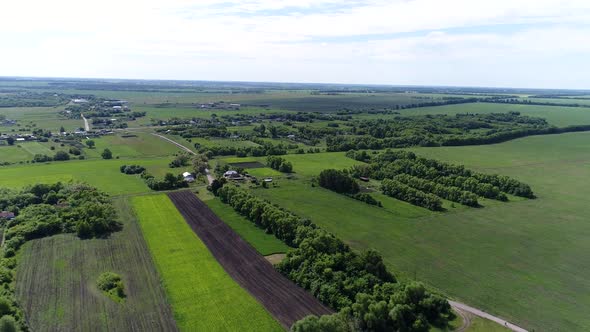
{"x":283,"y":299}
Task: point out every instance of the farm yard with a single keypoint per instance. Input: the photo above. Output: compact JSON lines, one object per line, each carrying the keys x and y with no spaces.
{"x":286,"y":301}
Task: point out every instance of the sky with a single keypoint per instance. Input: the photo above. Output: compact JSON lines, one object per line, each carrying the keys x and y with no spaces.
{"x":495,"y":43}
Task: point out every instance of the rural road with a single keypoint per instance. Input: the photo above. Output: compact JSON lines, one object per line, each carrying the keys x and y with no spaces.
{"x":86,"y":125}
{"x":463,"y":307}
{"x":210,"y":177}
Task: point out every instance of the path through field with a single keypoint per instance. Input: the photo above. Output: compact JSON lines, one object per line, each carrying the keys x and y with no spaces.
{"x":283,"y":299}
{"x":465,"y":308}
{"x":86,"y":125}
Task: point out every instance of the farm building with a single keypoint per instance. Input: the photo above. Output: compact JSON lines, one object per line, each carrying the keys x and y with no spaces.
{"x":6,"y":215}
{"x":188,"y":177}
{"x":233,"y":175}
{"x":268,"y":180}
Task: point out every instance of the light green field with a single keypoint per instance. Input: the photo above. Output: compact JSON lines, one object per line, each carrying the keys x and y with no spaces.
{"x":521,"y":260}
{"x":144,"y":145}
{"x":264,"y":243}
{"x":202,"y":295}
{"x":165,"y":113}
{"x":25,"y":151}
{"x":104,"y":174}
{"x":44,"y":117}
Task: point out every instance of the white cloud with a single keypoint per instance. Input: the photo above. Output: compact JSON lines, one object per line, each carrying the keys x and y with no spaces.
{"x":420,"y":41}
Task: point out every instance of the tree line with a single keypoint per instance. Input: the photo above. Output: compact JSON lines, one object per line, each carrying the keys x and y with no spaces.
{"x":358,"y":285}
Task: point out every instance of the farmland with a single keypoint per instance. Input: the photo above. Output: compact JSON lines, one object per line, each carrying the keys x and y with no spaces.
{"x":514,"y":250}
{"x":286,"y":301}
{"x":202,"y":295}
{"x":67,"y":299}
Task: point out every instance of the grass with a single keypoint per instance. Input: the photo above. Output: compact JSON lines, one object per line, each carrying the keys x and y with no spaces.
{"x":203,"y":296}
{"x":265,"y":244}
{"x":43,"y":117}
{"x":56,"y":282}
{"x":141,"y":145}
{"x":506,"y":258}
{"x":104,"y":174}
{"x":25,"y":151}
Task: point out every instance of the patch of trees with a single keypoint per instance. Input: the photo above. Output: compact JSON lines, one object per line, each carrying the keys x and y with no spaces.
{"x":408,"y":194}
{"x":169,"y":182}
{"x":391,"y":163}
{"x":280,"y":164}
{"x":112,"y":285}
{"x":132,"y":169}
{"x":358,"y":285}
{"x":106,"y":154}
{"x":338,"y":181}
{"x":264,"y":149}
{"x":533,"y":102}
{"x":180,"y":160}
{"x":450,"y":193}
{"x":43,"y":210}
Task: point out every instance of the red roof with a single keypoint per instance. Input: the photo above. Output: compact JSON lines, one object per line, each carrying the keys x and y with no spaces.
{"x":6,"y":214}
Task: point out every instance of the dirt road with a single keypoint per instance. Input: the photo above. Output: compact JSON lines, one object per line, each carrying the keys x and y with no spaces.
{"x":86,"y":125}
{"x":465,"y":308}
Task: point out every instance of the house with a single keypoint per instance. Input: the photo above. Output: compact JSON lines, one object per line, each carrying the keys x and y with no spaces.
{"x":233,"y":175}
{"x":267,"y":180}
{"x":20,"y":139}
{"x":188,"y":177}
{"x":6,"y":215}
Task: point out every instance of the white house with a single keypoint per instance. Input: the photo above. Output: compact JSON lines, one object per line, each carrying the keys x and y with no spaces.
{"x":188,"y":177}
{"x":231,"y":174}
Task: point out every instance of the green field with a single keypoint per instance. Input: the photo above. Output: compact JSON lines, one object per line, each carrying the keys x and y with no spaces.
{"x":202,"y":295}
{"x":522,"y":260}
{"x":43,"y":117}
{"x":25,"y":151}
{"x":555,"y":115}
{"x":264,"y":243}
{"x":66,"y":297}
{"x":103,"y":174}
{"x":141,"y":145}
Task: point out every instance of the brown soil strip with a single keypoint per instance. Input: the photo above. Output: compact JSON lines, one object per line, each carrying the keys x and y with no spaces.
{"x":283,"y":299}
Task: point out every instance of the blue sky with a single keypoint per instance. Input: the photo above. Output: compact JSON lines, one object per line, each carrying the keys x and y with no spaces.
{"x":504,"y":43}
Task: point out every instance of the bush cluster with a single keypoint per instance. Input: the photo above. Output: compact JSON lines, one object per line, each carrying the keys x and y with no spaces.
{"x":169,"y":182}
{"x":450,"y":193}
{"x":280,"y":164}
{"x":408,"y":194}
{"x":132,"y":169}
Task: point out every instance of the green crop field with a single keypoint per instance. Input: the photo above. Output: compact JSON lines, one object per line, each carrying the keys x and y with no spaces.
{"x":104,"y":174}
{"x":264,"y":243}
{"x":522,"y":260}
{"x":203,"y":296}
{"x":66,"y":297}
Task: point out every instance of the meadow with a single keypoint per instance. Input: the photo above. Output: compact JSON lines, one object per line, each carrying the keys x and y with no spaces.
{"x":202,"y":295}
{"x":66,"y":298}
{"x":42,"y":117}
{"x":521,"y":260}
{"x":265,"y":244}
{"x":103,"y":174}
{"x":132,"y":144}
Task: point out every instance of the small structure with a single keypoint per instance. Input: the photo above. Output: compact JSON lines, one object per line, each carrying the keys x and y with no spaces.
{"x":20,"y":139}
{"x":291,"y":136}
{"x":233,"y":175}
{"x":364,"y":178}
{"x":267,"y":180}
{"x":6,"y":215}
{"x":188,"y":177}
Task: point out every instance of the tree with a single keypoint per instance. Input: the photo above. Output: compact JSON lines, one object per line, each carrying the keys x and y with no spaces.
{"x":8,"y":324}
{"x":10,"y":140}
{"x":90,"y":143}
{"x":62,"y":129}
{"x":61,"y":155}
{"x":200,"y":163}
{"x":107,"y":154}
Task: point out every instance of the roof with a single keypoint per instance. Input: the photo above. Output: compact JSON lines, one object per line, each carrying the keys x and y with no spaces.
{"x":230,"y":173}
{"x":6,"y":214}
{"x":185,"y":174}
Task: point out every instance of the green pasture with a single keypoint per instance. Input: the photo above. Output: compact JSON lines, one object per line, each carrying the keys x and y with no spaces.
{"x":202,"y":295}
{"x":43,"y":117}
{"x":103,"y":174}
{"x":522,"y":260}
{"x":139,"y":145}
{"x":264,"y":243}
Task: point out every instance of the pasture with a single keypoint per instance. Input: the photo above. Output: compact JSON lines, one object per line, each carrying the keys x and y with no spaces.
{"x":42,"y":117}
{"x":103,"y":174}
{"x":202,"y":295}
{"x":265,"y":244}
{"x":520,"y":260}
{"x":137,"y":144}
{"x":66,"y":298}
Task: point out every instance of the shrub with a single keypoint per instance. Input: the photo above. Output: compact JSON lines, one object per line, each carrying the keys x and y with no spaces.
{"x":61,"y":155}
{"x":107,"y":154}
